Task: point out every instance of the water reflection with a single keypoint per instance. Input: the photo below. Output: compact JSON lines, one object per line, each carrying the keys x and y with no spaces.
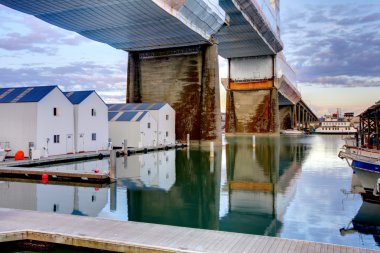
{"x":193,"y":201}
{"x":284,"y":186}
{"x":86,"y":201}
{"x":258,"y":182}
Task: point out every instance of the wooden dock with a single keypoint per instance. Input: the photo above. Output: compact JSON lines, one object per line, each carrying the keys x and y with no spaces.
{"x":55,"y":159}
{"x":122,"y":236}
{"x":55,"y":174}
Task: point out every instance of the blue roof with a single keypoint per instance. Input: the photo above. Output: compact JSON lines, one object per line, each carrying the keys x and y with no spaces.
{"x":24,"y":94}
{"x":76,"y":97}
{"x":111,"y":115}
{"x":136,"y":106}
{"x":133,"y":116}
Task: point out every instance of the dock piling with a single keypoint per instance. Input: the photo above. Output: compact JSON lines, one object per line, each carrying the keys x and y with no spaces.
{"x":113,"y":165}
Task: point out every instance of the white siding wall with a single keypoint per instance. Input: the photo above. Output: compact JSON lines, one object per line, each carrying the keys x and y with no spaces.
{"x":121,"y":130}
{"x":165,"y":125}
{"x":88,"y":124}
{"x":137,"y":133}
{"x":18,"y":125}
{"x":49,"y":125}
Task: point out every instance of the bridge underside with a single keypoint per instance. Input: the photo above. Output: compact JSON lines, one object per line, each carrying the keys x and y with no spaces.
{"x":186,"y":78}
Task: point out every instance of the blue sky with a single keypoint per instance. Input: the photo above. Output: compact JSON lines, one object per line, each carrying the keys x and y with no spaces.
{"x":334,"y":47}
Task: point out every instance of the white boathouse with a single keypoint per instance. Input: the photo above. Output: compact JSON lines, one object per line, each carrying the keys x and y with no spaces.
{"x":39,"y":116}
{"x":139,"y":128}
{"x":90,"y":121}
{"x":163,"y":113}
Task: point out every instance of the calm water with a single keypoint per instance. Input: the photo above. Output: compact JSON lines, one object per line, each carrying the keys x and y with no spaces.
{"x":288,"y":187}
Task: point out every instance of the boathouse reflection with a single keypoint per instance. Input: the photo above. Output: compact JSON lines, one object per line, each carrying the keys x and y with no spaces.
{"x":88,"y":201}
{"x":193,"y":200}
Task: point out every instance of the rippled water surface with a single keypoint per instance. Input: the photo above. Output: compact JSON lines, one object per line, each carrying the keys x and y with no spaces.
{"x":291,"y":187}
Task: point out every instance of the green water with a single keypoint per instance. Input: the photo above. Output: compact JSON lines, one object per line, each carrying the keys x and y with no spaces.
{"x":290,"y":187}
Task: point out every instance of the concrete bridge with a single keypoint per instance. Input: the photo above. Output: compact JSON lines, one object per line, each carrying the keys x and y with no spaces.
{"x":173,"y":48}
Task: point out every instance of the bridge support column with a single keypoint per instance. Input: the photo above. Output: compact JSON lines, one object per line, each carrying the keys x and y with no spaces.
{"x":298,"y":117}
{"x":252,"y":98}
{"x":188,"y":79}
{"x":286,"y":117}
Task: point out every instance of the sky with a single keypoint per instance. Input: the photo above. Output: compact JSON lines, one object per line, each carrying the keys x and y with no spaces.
{"x":333,"y":46}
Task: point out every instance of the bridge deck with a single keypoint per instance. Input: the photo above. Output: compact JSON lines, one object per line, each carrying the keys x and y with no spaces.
{"x":121,"y":236}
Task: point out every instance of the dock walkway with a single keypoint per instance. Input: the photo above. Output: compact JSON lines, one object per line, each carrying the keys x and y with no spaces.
{"x":53,"y":173}
{"x":122,"y":236}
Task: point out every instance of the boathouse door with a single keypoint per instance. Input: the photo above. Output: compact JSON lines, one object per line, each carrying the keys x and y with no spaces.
{"x":69,"y":144}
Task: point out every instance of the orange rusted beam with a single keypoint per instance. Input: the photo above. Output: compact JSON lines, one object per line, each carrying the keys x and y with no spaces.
{"x":251,"y":85}
{"x":241,"y":185}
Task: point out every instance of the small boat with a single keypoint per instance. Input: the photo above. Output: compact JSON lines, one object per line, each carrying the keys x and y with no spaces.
{"x":294,"y":132}
{"x":362,"y":153}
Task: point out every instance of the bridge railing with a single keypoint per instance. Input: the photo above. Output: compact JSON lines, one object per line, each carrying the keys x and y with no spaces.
{"x":284,"y":70}
{"x":270,"y":14}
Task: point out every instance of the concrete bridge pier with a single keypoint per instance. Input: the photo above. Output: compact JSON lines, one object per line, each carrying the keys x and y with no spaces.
{"x":252,"y":97}
{"x":188,"y":79}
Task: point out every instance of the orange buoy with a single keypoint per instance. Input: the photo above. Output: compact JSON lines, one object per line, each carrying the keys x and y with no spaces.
{"x":97,"y":170}
{"x":45,"y":176}
{"x":19,"y":155}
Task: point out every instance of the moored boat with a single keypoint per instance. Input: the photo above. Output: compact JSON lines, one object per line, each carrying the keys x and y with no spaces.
{"x":294,"y":132}
{"x":363,"y":152}
{"x":334,"y":124}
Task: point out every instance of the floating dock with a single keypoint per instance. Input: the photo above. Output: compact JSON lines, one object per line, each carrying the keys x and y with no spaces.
{"x":125,"y":236}
{"x":55,"y":159}
{"x":55,"y":174}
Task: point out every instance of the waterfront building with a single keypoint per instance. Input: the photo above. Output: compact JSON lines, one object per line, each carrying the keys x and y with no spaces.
{"x":163,"y":114}
{"x":90,"y":121}
{"x":139,"y":128}
{"x":39,"y":117}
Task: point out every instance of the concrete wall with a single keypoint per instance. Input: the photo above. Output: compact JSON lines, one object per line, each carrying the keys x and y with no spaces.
{"x":18,"y":125}
{"x":49,"y":125}
{"x":136,"y":133}
{"x":88,"y":124}
{"x":187,"y":79}
{"x":254,"y":111}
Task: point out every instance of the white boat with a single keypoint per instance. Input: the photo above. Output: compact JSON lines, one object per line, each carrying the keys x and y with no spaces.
{"x":292,"y":132}
{"x":335,"y":125}
{"x":363,"y":152}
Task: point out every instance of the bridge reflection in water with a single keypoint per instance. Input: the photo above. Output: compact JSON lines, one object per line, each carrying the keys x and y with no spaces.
{"x":242,"y":189}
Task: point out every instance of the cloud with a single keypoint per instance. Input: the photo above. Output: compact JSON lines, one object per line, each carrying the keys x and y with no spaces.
{"x":38,"y":37}
{"x":332,"y":44}
{"x":75,"y":76}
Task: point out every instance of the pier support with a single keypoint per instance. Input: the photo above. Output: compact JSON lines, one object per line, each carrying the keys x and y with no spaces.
{"x":188,"y":79}
{"x":286,"y":117}
{"x":252,"y":98}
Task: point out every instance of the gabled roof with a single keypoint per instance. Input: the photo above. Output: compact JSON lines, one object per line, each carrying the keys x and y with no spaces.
{"x":131,"y":116}
{"x":77,"y":97}
{"x":136,"y":107}
{"x":24,"y":94}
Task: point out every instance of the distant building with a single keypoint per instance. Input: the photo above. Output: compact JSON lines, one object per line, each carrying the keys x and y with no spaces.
{"x":90,"y":121}
{"x":163,"y":114}
{"x":139,"y":128}
{"x":36,"y":116}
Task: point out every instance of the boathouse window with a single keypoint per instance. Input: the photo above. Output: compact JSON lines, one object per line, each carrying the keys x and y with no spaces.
{"x":167,"y":117}
{"x":55,"y":111}
{"x":148,"y":124}
{"x":55,"y":207}
{"x":167,"y":134}
{"x":93,"y":112}
{"x":56,"y":138}
{"x":93,"y":136}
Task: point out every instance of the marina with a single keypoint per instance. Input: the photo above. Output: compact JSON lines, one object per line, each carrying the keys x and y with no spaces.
{"x":244,"y":189}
